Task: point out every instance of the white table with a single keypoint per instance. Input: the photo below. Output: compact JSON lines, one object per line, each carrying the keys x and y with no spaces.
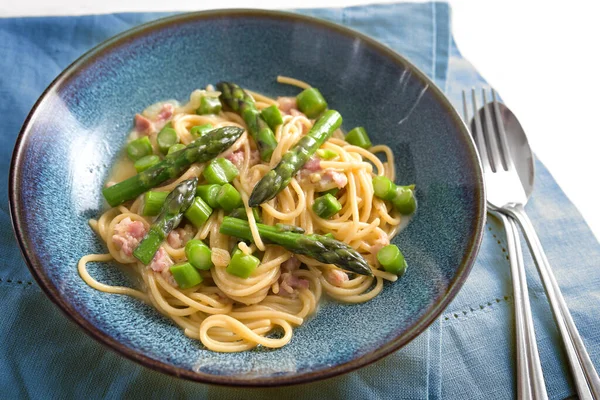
{"x":544,"y":63}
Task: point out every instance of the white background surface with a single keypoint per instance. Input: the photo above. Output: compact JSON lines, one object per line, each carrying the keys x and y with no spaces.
{"x":543,"y":57}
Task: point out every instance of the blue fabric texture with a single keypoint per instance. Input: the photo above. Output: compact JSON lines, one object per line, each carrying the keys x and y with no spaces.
{"x":467,"y":353}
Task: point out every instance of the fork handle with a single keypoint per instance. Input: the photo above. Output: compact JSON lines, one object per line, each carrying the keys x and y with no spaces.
{"x":538,"y":386}
{"x":530,"y":379}
{"x":585,"y":376}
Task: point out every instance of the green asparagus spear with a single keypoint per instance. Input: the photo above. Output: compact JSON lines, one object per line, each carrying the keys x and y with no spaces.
{"x":240,"y":102}
{"x":319,"y":247}
{"x":202,"y":149}
{"x":171,"y":213}
{"x":311,"y":102}
{"x":278,"y":178}
{"x":241,"y":214}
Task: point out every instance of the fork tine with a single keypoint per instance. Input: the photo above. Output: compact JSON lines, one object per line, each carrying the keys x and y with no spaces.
{"x":465,"y":110}
{"x":478,"y":134}
{"x":508,"y":162}
{"x":466,"y":119}
{"x":466,"y":116}
{"x":490,"y":137}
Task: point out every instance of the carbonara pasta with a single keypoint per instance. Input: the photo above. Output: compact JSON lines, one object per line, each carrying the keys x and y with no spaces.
{"x":230,"y":313}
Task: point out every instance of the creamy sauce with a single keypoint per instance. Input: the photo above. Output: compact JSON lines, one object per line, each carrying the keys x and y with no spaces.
{"x":122,"y":169}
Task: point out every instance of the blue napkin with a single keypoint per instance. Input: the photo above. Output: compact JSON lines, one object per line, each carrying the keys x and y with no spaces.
{"x":467,"y":353}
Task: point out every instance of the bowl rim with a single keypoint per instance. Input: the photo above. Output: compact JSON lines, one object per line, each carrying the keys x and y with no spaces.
{"x":38,"y":271}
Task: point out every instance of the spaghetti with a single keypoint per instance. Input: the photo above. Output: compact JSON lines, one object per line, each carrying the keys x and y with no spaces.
{"x":228,"y":313}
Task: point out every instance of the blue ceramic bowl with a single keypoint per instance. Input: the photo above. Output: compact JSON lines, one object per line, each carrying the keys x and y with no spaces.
{"x":76,"y":129}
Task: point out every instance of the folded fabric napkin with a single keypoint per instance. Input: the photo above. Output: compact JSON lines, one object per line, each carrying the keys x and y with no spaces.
{"x":467,"y":353}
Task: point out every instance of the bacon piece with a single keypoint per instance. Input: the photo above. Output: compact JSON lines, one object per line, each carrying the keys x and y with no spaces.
{"x":286,"y":104}
{"x":168,"y":276}
{"x":336,"y":277}
{"x":381,"y":242}
{"x":339,"y":178}
{"x":165,"y":112}
{"x":179,"y":237}
{"x":330,"y":179}
{"x":143,"y":124}
{"x":296,"y":113}
{"x":313,"y":164}
{"x":237,"y":158}
{"x":174,"y":239}
{"x":289,"y":282}
{"x":291,"y":264}
{"x":324,"y":179}
{"x":161,"y":260}
{"x":128,"y":234}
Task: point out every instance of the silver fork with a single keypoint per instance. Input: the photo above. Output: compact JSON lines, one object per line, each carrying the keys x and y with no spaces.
{"x":506,"y":195}
{"x":530,"y":379}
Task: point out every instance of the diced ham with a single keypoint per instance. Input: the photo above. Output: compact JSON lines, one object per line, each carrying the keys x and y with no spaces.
{"x":161,"y":260}
{"x":174,"y":240}
{"x":169,"y":277}
{"x":309,"y":170}
{"x":330,"y":179}
{"x":313,"y":165}
{"x":339,"y":178}
{"x":336,"y":277}
{"x":286,"y":104}
{"x":289,"y":282}
{"x":324,"y":179}
{"x":382,"y":241}
{"x":128,"y":234}
{"x":237,"y":158}
{"x":165,"y":112}
{"x":296,"y":113}
{"x":159,"y":114}
{"x":163,"y":116}
{"x":143,"y":124}
{"x":179,"y":237}
{"x":291,"y":264}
